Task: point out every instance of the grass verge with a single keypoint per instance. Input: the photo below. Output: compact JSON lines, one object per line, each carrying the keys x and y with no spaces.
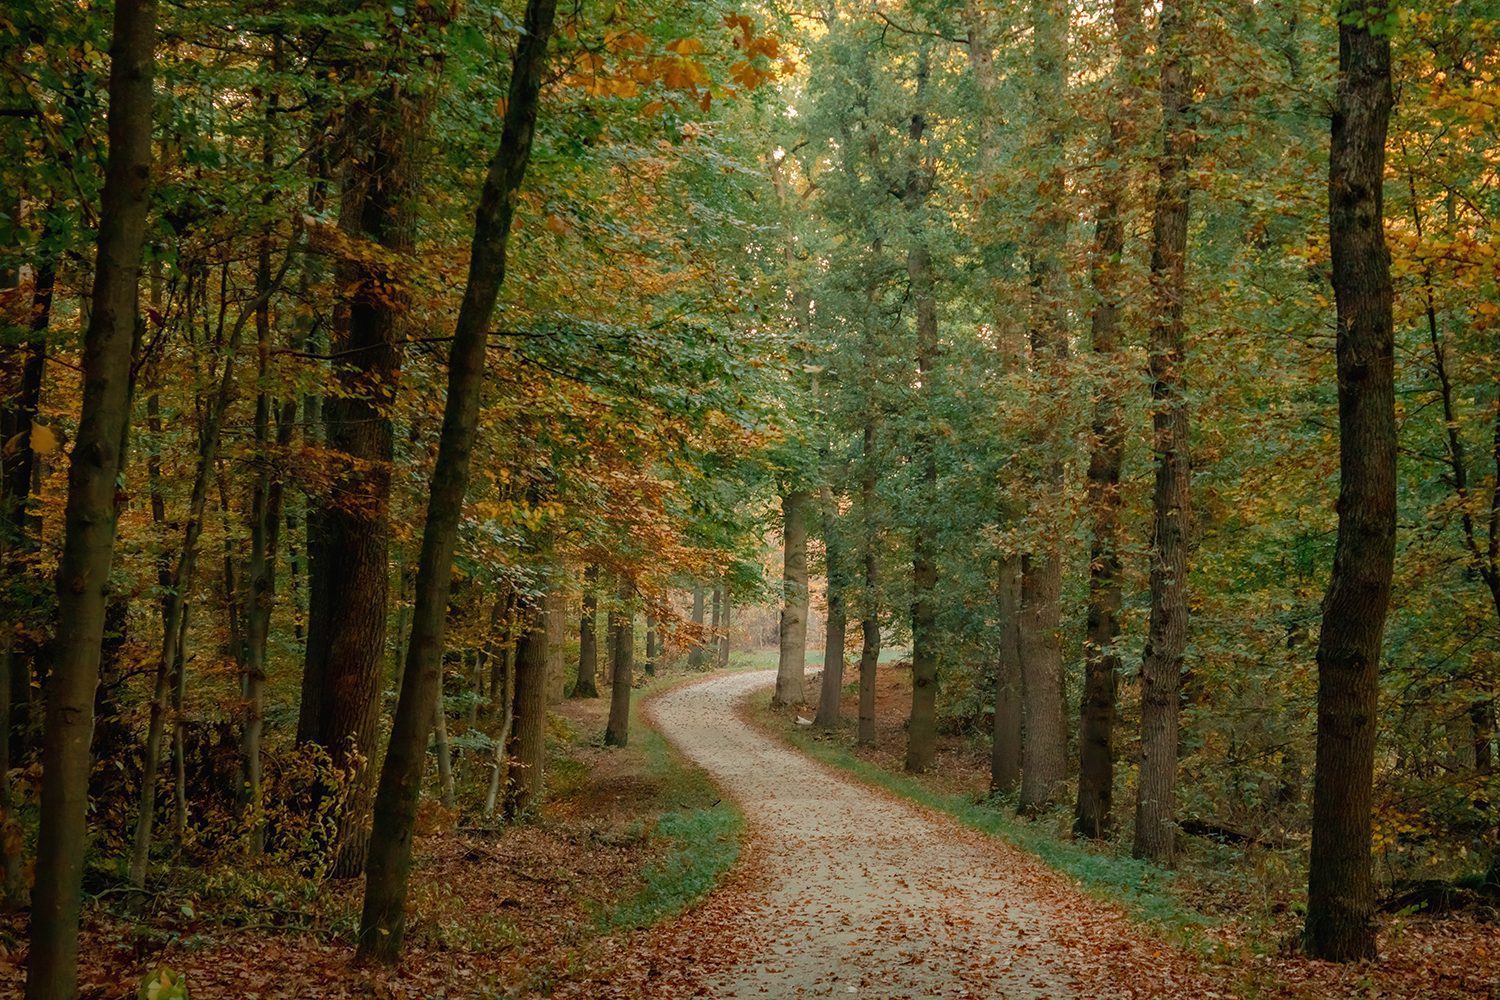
{"x":702,"y":829}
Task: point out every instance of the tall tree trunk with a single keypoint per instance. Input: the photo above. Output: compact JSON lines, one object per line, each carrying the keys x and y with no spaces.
{"x":444,"y":750}
{"x":384,"y":919}
{"x":1093,"y":814}
{"x":1044,"y":725}
{"x":791,"y":663}
{"x":1161,"y":667}
{"x":1340,"y":893}
{"x":349,"y":533}
{"x":1005,"y":739}
{"x":836,"y":624}
{"x":89,"y":518}
{"x":712,"y":646}
{"x":527,"y":737}
{"x":721,"y":648}
{"x":588,"y":637}
{"x":695,"y":657}
{"x":557,"y":629}
{"x":504,"y":692}
{"x":653,"y":644}
{"x":622,"y":660}
{"x":1044,"y":762}
{"x":921,"y":737}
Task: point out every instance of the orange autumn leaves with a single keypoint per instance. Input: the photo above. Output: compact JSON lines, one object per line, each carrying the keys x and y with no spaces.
{"x":629,"y":64}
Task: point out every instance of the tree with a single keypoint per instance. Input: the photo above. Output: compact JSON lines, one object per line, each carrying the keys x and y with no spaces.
{"x":89,"y":532}
{"x":622,"y":664}
{"x":791,"y":663}
{"x":1161,"y":667}
{"x":1092,"y":815}
{"x":1340,"y":894}
{"x":588,"y":637}
{"x":384,"y":919}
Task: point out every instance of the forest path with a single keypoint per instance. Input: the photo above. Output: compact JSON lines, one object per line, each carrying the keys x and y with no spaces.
{"x":859,"y":893}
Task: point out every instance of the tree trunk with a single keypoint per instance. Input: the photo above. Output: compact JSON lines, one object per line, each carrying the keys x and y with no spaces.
{"x":1093,"y":814}
{"x":921,"y":737}
{"x":505,"y":692}
{"x":712,"y":646}
{"x":1044,"y":762}
{"x":384,"y":920}
{"x":1340,"y":893}
{"x":622,"y":660}
{"x":837,"y":622}
{"x":1044,"y":726}
{"x":588,"y":637}
{"x":349,"y":533}
{"x":1161,"y":667}
{"x":721,"y":648}
{"x":443,"y":749}
{"x":527,"y":742}
{"x":1005,"y":741}
{"x":695,"y":657}
{"x":791,"y":664}
{"x":89,"y":519}
{"x":557,"y":629}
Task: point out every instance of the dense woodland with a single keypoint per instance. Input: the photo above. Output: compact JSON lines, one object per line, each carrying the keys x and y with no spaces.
{"x":379,"y":375}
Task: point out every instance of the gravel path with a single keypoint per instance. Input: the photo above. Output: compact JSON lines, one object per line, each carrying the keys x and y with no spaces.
{"x":863,"y":895}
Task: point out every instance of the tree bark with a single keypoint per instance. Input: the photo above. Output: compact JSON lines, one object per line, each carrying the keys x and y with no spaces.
{"x":89,"y":518}
{"x":1005,"y":739}
{"x":588,"y":637}
{"x":622,"y":659}
{"x":921,"y":737}
{"x":384,"y":920}
{"x":527,"y":738}
{"x":1044,"y":727}
{"x":1093,"y":813}
{"x":1161,"y":666}
{"x":836,"y":624}
{"x":349,"y":533}
{"x":1340,"y":892}
{"x":791,"y":664}
{"x":695,"y":657}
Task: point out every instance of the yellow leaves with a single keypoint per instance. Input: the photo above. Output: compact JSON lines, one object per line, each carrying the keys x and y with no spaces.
{"x":685,"y":46}
{"x":44,"y":441}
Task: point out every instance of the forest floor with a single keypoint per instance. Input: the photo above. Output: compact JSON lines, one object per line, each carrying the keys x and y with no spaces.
{"x":1218,"y":919}
{"x":624,"y":838}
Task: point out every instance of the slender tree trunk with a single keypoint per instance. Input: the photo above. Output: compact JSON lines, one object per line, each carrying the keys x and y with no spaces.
{"x":169,"y":664}
{"x":653,"y":640}
{"x":443,"y":749}
{"x":721,"y":658}
{"x":588,"y":637}
{"x":1005,"y":741}
{"x":712,"y":646}
{"x":89,"y":519}
{"x":921,"y":742}
{"x":695,"y":657}
{"x":1093,"y":814}
{"x":557,"y":629}
{"x":836,"y":624}
{"x":1340,"y":893}
{"x":1161,"y":667}
{"x":384,"y":920}
{"x":505,"y":692}
{"x":622,"y":660}
{"x":527,"y":738}
{"x":791,"y":664}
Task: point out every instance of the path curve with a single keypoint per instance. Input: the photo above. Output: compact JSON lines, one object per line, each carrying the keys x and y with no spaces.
{"x":863,"y":894}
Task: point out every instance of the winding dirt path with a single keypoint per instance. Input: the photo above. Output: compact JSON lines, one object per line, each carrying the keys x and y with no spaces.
{"x":856,"y":893}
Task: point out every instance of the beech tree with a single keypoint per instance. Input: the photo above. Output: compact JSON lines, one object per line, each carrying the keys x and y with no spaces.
{"x":89,"y":532}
